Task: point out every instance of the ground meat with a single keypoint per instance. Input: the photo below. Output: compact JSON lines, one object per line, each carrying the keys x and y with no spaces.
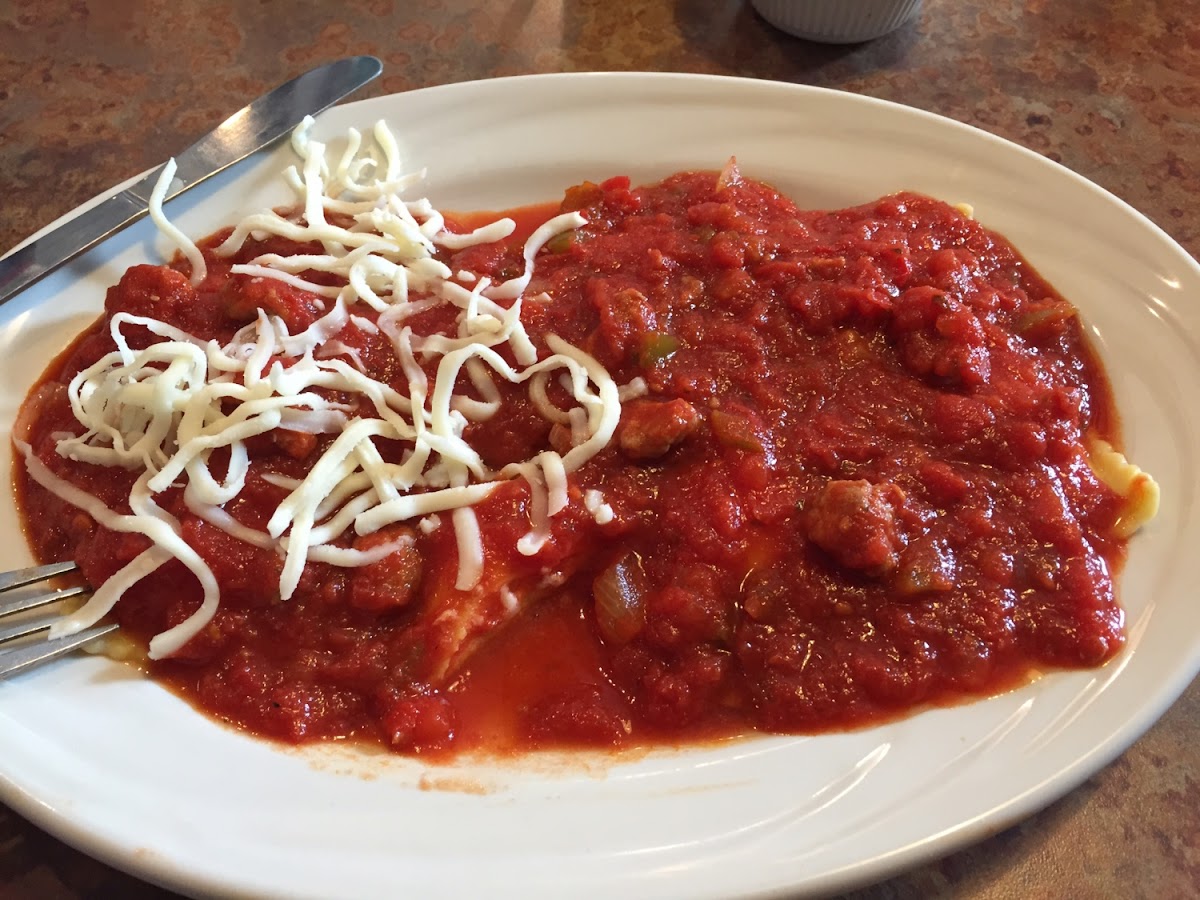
{"x":393,"y":581}
{"x":154,"y":291}
{"x":855,"y":523}
{"x":649,"y":428}
{"x":626,"y":319}
{"x":938,"y":336}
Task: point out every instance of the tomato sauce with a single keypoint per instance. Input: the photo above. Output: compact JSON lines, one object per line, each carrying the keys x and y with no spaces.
{"x":855,"y":486}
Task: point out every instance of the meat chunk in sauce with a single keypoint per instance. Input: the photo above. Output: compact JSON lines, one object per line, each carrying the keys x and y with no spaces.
{"x":626,"y":318}
{"x":649,"y":428}
{"x":855,"y":523}
{"x":393,"y":581}
{"x":938,"y":336}
{"x":154,"y":291}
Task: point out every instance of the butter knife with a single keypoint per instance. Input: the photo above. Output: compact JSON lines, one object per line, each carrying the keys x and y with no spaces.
{"x":266,"y":120}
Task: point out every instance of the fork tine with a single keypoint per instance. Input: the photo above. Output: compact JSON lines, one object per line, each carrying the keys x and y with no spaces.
{"x":17,"y":604}
{"x":33,"y":574}
{"x":22,"y":658}
{"x":29,"y":626}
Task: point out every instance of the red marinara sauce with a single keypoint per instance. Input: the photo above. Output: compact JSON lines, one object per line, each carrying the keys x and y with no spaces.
{"x":855,"y":486}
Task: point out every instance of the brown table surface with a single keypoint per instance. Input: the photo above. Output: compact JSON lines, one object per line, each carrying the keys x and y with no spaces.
{"x":93,"y":92}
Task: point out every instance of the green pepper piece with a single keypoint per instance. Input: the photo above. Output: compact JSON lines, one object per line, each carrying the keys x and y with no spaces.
{"x":656,"y":347}
{"x":735,"y":431}
{"x":1040,"y":320}
{"x":561,"y":243}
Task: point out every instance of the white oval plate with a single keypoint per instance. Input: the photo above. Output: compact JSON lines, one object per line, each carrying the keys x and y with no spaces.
{"x":120,"y":768}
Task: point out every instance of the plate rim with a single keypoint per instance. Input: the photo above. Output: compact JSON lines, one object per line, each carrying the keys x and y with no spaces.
{"x":167,"y":874}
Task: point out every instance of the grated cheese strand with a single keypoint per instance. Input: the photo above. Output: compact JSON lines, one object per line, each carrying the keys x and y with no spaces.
{"x":164,"y":411}
{"x":185,"y":244}
{"x":594,"y":502}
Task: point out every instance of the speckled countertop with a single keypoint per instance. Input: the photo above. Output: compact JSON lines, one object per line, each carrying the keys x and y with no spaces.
{"x":93,"y":92}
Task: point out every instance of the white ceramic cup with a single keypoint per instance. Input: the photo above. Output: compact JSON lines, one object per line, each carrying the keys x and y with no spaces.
{"x":837,"y":21}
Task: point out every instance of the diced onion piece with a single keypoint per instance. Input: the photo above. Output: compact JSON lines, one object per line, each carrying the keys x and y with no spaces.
{"x":619,"y":593}
{"x":729,"y":175}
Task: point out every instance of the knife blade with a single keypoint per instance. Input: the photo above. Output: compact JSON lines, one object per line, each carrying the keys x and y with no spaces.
{"x":262,"y":123}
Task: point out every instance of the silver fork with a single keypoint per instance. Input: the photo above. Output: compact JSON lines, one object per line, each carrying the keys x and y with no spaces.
{"x":15,"y":605}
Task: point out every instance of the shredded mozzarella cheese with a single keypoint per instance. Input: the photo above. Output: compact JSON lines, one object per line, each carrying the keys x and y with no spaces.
{"x":594,"y":502}
{"x":165,"y":410}
{"x":185,"y":244}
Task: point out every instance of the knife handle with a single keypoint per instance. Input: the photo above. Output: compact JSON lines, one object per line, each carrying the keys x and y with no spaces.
{"x":38,"y":258}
